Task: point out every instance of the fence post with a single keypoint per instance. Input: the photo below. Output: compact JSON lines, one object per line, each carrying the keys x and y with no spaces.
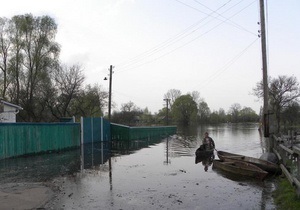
{"x":102,"y":140}
{"x":81,"y":130}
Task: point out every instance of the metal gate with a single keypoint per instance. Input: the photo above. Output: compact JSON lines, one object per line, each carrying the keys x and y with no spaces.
{"x":94,"y":129}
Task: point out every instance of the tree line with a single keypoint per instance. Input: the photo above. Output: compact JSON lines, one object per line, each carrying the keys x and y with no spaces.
{"x":32,"y":76}
{"x":183,"y":109}
{"x":284,"y":107}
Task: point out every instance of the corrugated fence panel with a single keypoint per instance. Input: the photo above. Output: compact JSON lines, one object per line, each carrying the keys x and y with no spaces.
{"x":92,"y":129}
{"x":138,"y":133}
{"x":106,"y":130}
{"x":121,"y":132}
{"x":27,"y":138}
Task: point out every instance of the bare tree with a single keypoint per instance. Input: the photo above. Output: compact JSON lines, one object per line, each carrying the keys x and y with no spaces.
{"x":129,"y":107}
{"x":196,"y":96}
{"x":4,"y":54}
{"x":68,"y":83}
{"x":16,"y":60}
{"x":172,"y":94}
{"x":282,"y":91}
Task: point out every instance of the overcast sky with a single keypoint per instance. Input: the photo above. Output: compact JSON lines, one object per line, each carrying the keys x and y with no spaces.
{"x":210,"y":46}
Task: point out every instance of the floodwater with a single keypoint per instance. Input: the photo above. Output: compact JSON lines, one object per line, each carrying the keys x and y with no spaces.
{"x":157,"y":174}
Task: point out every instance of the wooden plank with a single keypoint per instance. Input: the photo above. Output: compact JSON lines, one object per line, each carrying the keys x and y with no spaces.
{"x":278,"y":155}
{"x":278,"y":139}
{"x":287,"y":174}
{"x":297,"y":182}
{"x":286,"y":149}
{"x":296,"y":150}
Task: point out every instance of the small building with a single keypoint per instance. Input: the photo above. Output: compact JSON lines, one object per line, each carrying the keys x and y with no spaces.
{"x":8,"y":112}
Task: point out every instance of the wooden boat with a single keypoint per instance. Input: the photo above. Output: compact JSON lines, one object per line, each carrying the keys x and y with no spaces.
{"x":241,"y":168}
{"x":263,"y":164}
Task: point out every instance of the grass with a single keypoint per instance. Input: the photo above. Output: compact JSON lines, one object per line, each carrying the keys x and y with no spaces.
{"x":285,"y":195}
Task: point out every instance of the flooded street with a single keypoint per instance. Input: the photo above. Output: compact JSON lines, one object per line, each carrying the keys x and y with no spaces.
{"x":159,"y":174}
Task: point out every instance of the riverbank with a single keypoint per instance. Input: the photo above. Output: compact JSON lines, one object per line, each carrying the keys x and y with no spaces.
{"x":285,"y":195}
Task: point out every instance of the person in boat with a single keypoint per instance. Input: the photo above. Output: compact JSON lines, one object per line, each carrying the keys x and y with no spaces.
{"x":208,"y":143}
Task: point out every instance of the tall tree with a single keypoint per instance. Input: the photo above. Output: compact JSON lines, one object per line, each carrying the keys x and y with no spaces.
{"x":68,"y":83}
{"x":184,"y":109}
{"x":234,"y":111}
{"x":222,"y":115}
{"x":4,"y":54}
{"x":203,"y":112}
{"x":40,"y":56}
{"x":247,"y":114}
{"x":28,"y":54}
{"x":16,"y":61}
{"x":89,"y":102}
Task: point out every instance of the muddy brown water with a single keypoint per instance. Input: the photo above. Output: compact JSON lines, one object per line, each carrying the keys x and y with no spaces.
{"x":159,"y":174}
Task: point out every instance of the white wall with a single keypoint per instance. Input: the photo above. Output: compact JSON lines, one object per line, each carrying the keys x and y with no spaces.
{"x":9,"y":114}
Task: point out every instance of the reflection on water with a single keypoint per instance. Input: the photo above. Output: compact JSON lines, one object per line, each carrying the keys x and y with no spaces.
{"x":151,"y":174}
{"x":206,"y":160}
{"x":39,"y":168}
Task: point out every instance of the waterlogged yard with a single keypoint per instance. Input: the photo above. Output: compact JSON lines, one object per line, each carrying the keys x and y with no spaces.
{"x":159,"y":174}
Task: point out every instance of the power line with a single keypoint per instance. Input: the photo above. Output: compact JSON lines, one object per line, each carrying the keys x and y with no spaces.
{"x":227,"y":19}
{"x":188,"y":31}
{"x":169,"y":41}
{"x":225,"y":67}
{"x":194,"y":39}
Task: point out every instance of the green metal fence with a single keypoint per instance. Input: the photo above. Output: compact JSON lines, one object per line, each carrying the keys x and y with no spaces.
{"x":27,"y":138}
{"x":121,"y":132}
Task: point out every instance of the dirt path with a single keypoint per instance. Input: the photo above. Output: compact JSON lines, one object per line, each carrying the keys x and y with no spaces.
{"x":24,"y":195}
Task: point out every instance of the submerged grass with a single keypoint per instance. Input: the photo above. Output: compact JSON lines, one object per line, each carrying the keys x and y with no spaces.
{"x":285,"y":195}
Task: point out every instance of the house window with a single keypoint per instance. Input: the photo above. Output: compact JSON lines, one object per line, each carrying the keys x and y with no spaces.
{"x":1,"y":107}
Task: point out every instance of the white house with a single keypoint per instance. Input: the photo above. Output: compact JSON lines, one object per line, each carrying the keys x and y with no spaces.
{"x":8,"y":112}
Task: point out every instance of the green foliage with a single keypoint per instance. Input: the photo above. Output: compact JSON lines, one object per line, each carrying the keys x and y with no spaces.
{"x":203,"y":112}
{"x":218,"y":117}
{"x":291,"y":115}
{"x":184,"y":110}
{"x":285,"y":196}
{"x":31,"y":53}
{"x":89,"y":102}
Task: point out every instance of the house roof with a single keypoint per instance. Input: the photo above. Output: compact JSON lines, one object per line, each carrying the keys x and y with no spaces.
{"x":10,"y":104}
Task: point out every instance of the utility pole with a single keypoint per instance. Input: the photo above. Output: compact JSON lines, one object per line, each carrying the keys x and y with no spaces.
{"x":265,"y":70}
{"x":109,"y":94}
{"x":167,"y":100}
{"x":109,"y":97}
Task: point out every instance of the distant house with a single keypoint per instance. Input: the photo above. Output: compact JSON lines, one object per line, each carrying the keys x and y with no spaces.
{"x":8,"y":112}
